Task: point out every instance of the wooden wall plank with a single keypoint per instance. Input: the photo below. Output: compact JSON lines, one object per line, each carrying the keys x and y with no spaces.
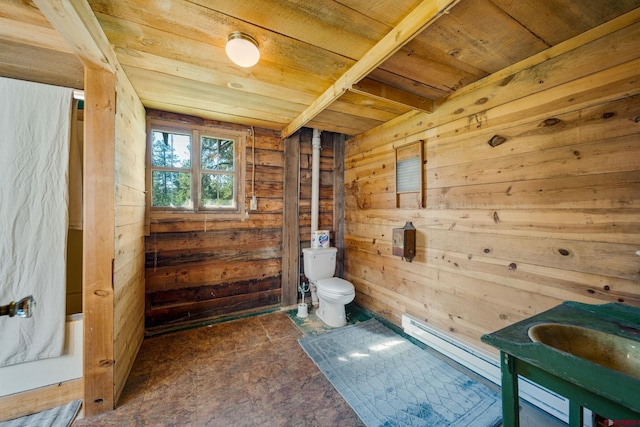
{"x":214,"y":240}
{"x":32,"y":401}
{"x":290,"y":225}
{"x":129,"y":221}
{"x":210,"y":273}
{"x":168,"y":318}
{"x":170,"y":223}
{"x":616,"y":191}
{"x":98,"y":241}
{"x":599,"y":225}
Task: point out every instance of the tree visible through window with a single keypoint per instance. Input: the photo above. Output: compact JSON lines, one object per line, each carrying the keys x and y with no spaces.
{"x":171,"y":169}
{"x":216,"y":172}
{"x":194,"y":170}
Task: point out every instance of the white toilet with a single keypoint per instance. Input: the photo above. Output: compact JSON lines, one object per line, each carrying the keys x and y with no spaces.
{"x":333,"y":293}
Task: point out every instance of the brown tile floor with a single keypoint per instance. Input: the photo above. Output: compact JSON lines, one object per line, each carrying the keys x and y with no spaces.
{"x":248,"y":372}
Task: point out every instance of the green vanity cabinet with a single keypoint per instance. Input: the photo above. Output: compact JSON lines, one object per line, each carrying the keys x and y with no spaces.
{"x":589,"y":354}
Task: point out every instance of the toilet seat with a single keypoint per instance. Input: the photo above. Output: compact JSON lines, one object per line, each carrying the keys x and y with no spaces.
{"x":335,"y":286}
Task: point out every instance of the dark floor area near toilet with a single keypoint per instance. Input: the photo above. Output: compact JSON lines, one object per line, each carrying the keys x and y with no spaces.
{"x":245,"y":372}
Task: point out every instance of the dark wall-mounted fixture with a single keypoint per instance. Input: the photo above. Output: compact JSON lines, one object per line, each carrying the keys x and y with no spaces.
{"x":404,"y":242}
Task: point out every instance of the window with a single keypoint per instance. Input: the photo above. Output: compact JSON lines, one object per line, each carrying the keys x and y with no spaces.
{"x":198,"y":169}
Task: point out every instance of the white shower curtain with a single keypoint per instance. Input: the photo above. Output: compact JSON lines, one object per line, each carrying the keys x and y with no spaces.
{"x":34,"y":163}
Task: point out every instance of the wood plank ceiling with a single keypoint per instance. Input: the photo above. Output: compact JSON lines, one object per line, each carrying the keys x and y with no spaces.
{"x":344,"y":66}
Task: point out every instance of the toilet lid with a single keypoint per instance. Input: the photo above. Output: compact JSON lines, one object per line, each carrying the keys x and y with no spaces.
{"x":335,"y":285}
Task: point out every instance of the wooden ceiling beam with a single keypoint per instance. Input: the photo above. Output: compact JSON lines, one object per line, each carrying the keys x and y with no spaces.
{"x":415,"y":22}
{"x":80,"y":28}
{"x":375,"y":89}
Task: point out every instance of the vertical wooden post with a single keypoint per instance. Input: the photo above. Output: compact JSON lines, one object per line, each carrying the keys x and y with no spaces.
{"x":98,"y":240}
{"x":575,"y":414}
{"x":510,"y":400}
{"x":338,"y":200}
{"x":290,"y":222}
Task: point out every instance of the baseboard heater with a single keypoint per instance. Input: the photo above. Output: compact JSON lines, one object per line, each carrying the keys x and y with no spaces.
{"x":487,"y":366}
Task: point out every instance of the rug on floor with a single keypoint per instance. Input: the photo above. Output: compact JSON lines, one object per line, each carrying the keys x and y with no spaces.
{"x":389,"y":381}
{"x":60,"y":416}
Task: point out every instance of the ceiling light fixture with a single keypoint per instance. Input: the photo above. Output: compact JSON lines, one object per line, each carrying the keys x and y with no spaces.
{"x":242,"y":49}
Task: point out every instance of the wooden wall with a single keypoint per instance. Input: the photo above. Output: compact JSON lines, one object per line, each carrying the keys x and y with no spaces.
{"x":550,"y":212}
{"x":128,"y":267}
{"x":199,"y":269}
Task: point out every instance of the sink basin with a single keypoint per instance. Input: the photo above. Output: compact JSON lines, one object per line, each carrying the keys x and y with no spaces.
{"x":614,"y":352}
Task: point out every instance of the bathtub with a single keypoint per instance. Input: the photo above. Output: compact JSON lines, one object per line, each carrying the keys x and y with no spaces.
{"x":41,"y":373}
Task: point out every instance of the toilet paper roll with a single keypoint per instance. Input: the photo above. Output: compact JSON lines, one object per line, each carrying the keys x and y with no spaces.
{"x":320,"y":239}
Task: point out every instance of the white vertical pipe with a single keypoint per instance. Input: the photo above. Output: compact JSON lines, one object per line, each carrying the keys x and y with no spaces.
{"x":315,"y":180}
{"x":315,"y":200}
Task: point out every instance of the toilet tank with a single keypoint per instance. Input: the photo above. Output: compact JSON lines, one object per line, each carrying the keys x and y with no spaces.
{"x":319,"y":263}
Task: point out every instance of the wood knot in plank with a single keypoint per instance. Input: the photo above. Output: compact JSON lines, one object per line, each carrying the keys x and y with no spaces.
{"x":506,"y":80}
{"x":496,"y":218}
{"x":608,"y":115}
{"x":101,"y":293}
{"x":563,"y":252}
{"x":105,"y":363}
{"x":552,"y":121}
{"x":496,"y":140}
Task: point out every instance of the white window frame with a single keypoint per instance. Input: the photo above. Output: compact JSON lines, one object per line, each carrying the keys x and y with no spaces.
{"x":196,"y":132}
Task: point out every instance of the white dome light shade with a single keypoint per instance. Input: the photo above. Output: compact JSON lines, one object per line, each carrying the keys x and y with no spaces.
{"x":242,"y":49}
